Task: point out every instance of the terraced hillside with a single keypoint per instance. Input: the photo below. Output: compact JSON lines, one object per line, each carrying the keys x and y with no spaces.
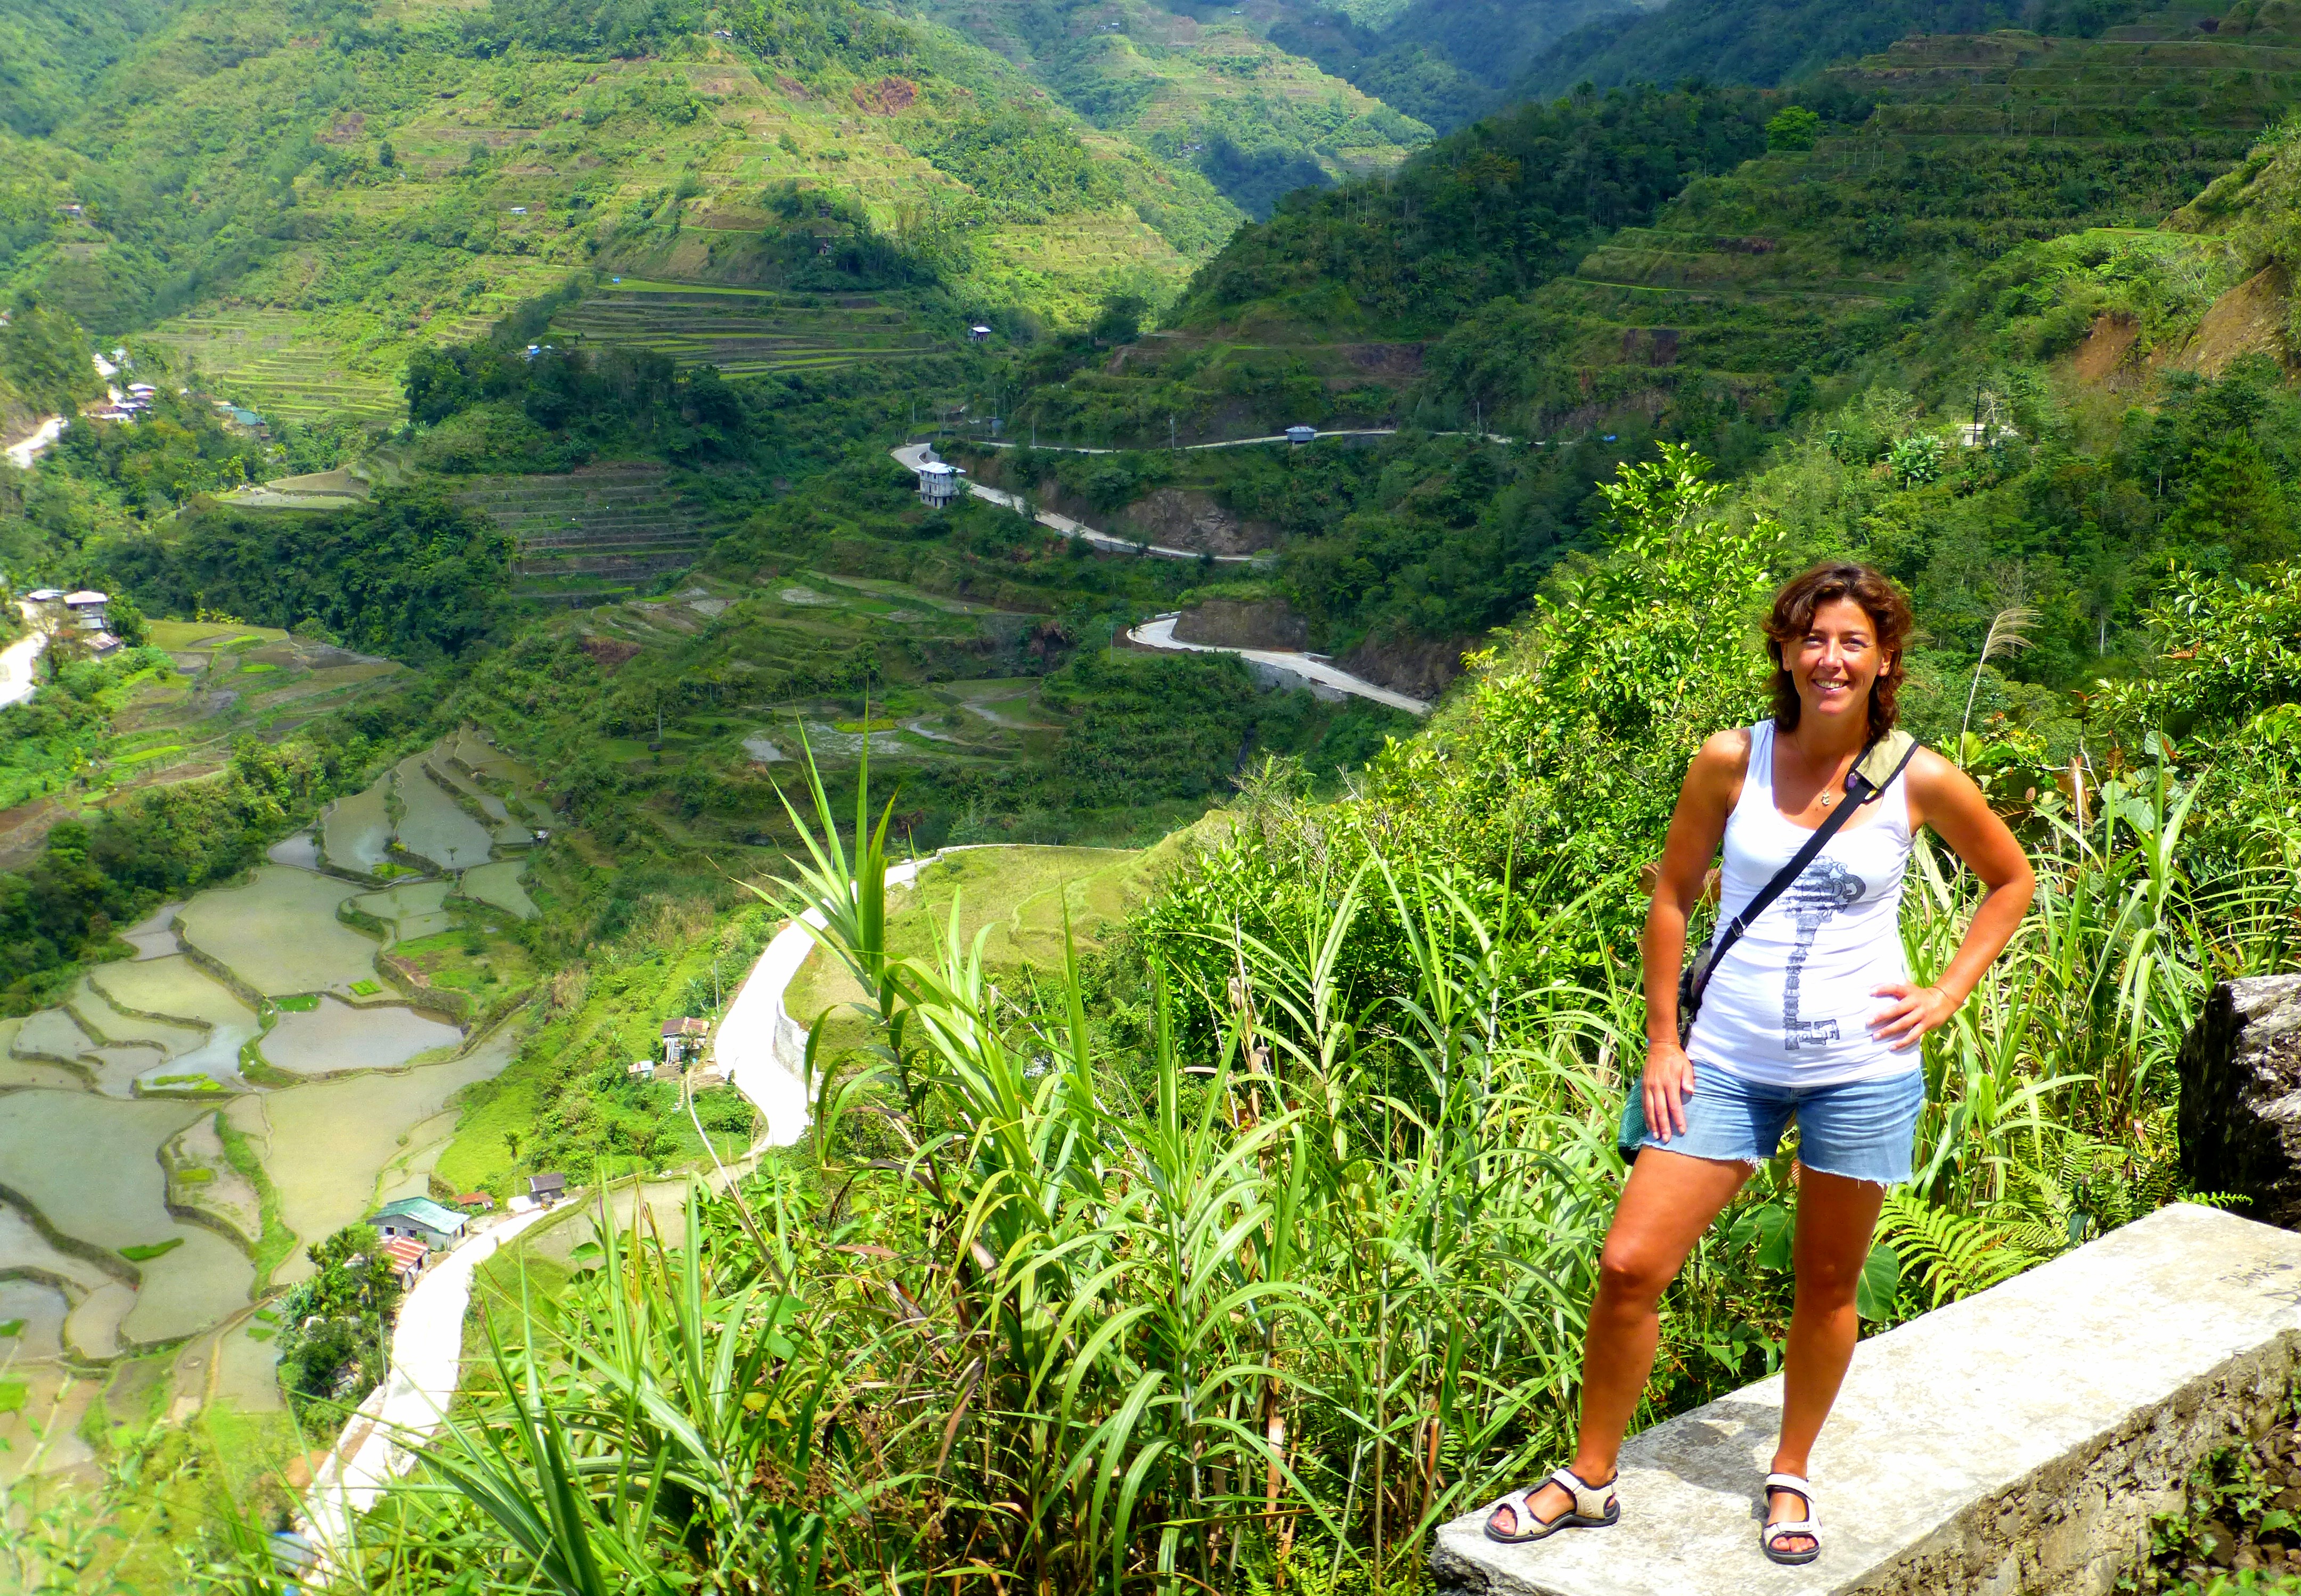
{"x":588,"y":534}
{"x":747,"y":329}
{"x":1805,"y":263}
{"x":279,"y":364}
{"x":326,"y":211}
{"x":1209,"y":91}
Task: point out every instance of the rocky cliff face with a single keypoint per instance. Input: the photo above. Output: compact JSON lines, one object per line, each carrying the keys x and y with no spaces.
{"x":2240,"y":1069}
{"x":1226,"y":624}
{"x":1419,"y":667}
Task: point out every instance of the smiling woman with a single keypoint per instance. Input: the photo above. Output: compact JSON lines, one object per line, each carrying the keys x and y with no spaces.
{"x":1804,"y":1010}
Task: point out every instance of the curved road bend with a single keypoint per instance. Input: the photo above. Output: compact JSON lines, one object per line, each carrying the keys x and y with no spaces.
{"x":24,"y":451}
{"x":427,"y":1355}
{"x":912,"y":454}
{"x":1161,"y":634}
{"x":762,"y":1049}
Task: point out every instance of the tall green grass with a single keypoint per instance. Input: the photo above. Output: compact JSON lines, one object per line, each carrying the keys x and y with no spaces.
{"x":1262,"y":1300}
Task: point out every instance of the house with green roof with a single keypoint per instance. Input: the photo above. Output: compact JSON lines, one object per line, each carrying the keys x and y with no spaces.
{"x":419,"y":1217}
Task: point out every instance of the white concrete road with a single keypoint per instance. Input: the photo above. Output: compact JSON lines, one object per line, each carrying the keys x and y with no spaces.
{"x":762,"y":1049}
{"x":1311,"y":668}
{"x":20,"y":665}
{"x":21,"y":454}
{"x":1233,"y":443}
{"x":427,"y":1357}
{"x":912,"y":455}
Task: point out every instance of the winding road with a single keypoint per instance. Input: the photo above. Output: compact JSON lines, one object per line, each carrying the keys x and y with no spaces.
{"x":762,"y":1049}
{"x":24,"y":451}
{"x":427,"y":1356}
{"x":1313,"y":670}
{"x":912,"y":455}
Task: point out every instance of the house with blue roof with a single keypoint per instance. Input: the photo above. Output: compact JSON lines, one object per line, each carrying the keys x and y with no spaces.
{"x":426,"y":1221}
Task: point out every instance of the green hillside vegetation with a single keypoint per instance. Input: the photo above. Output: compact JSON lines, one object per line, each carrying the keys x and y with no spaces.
{"x":967,"y":653}
{"x":298,"y":220}
{"x":1819,"y":260}
{"x":52,"y":55}
{"x":1466,"y":58}
{"x":1321,"y":314}
{"x":1201,"y":89}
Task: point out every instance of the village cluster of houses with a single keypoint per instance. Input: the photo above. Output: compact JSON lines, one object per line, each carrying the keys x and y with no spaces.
{"x":125,"y":405}
{"x":84,"y":610}
{"x":413,"y":1229}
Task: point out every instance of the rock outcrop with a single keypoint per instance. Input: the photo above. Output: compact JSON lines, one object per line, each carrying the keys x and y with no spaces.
{"x":1226,"y":624}
{"x":2240,"y":1069}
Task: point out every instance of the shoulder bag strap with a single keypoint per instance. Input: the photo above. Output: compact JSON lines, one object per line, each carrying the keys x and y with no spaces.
{"x":1863,"y":791}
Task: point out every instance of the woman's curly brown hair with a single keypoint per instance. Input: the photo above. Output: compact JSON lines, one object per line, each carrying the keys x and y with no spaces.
{"x":1793,"y":616}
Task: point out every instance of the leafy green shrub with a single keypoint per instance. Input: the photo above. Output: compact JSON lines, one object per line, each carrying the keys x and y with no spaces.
{"x":1793,"y":128}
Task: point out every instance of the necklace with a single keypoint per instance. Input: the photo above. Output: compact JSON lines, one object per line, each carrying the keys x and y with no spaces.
{"x":1825,"y":798}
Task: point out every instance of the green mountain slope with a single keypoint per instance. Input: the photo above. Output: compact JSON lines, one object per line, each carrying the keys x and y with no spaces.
{"x":1781,"y":41}
{"x":1751,"y":284}
{"x":297,"y":209}
{"x":52,"y":52}
{"x":1201,"y":88}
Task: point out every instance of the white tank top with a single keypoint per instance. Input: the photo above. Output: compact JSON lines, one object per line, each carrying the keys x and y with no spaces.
{"x":1790,"y":1004}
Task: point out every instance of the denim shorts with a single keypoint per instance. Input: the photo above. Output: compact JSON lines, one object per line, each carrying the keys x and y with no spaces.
{"x":1861,"y":1129}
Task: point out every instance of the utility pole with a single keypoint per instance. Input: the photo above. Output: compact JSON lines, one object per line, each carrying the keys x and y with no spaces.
{"x":1170,"y":433}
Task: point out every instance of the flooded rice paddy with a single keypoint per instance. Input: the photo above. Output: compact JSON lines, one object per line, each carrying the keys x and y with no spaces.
{"x":356,"y":831}
{"x":328,"y":1144}
{"x":334,"y":1037}
{"x":345,"y":1099}
{"x":498,"y":885}
{"x":432,"y":825}
{"x":416,"y":909}
{"x":239,"y":928}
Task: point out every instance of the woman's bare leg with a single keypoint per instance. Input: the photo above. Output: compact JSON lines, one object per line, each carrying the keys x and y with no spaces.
{"x":1670,"y":1201}
{"x":1835,"y":1219}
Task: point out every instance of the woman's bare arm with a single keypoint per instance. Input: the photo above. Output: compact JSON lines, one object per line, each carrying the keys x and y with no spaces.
{"x":1945,"y":797}
{"x":1713,"y":782}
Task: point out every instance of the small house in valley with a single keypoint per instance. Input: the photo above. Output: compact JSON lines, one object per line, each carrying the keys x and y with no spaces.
{"x":938,"y":483}
{"x":420,"y":1219}
{"x":407,"y":1255}
{"x":87,"y":607}
{"x":684,"y":1038}
{"x":546,"y":1188}
{"x":477,"y":1202}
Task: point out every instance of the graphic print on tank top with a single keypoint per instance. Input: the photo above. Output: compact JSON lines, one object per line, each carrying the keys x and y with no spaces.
{"x":1821,"y":889}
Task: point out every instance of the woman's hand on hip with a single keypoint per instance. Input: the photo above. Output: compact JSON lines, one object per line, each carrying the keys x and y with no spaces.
{"x":1913,"y":1011}
{"x":1669,"y":1084}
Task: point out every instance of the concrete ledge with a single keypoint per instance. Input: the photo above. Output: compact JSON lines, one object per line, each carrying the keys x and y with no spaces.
{"x":2016,"y":1442}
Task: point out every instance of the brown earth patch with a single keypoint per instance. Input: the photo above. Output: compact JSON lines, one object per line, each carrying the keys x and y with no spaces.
{"x":1387,"y":362}
{"x":886,"y":96}
{"x":793,"y":87}
{"x":345,"y":128}
{"x":609,"y":652}
{"x":1419,"y":667}
{"x":2106,"y":345}
{"x":2250,"y":319}
{"x":1271,"y":623}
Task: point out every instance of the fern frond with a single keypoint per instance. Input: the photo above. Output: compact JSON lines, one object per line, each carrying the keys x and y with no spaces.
{"x":1956,"y":1255}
